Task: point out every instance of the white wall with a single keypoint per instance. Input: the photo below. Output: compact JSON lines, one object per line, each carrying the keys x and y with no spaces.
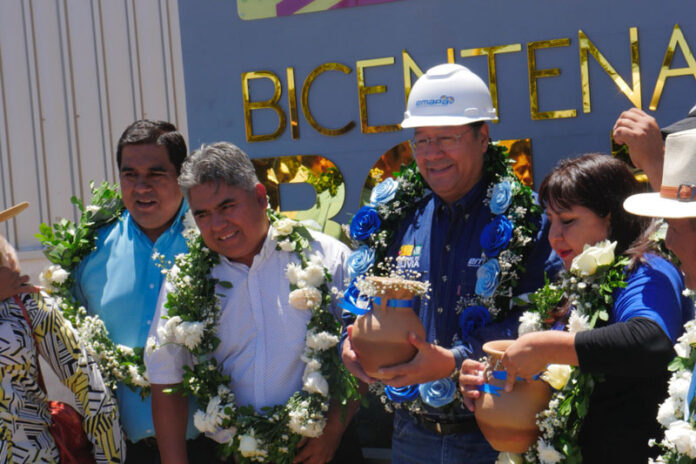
{"x":73,"y":75}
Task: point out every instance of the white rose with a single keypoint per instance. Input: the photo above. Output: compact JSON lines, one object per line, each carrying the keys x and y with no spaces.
{"x":683,"y":350}
{"x":578,"y":322}
{"x":249,"y":447}
{"x":294,"y":273}
{"x":679,"y":385}
{"x":316,"y":383}
{"x":683,"y":436}
{"x":583,"y":264}
{"x":305,"y":298}
{"x":284,"y":226}
{"x":509,"y":458}
{"x":60,"y":275}
{"x":53,"y":274}
{"x":200,"y":420}
{"x":320,"y":341}
{"x":92,"y":208}
{"x":689,"y":335}
{"x":223,"y":435}
{"x":602,"y":254}
{"x":297,"y":418}
{"x":314,"y":275}
{"x":529,"y":322}
{"x":316,"y":259}
{"x":286,"y":245}
{"x":547,"y":453}
{"x":557,"y":375}
{"x":668,"y":412}
{"x":189,"y":334}
{"x":313,"y":365}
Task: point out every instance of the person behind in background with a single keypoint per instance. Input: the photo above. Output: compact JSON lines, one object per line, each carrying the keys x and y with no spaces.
{"x":584,"y":202}
{"x":640,"y":132}
{"x":120,"y":281}
{"x":262,"y":337}
{"x":31,"y":324}
{"x":11,"y":281}
{"x":448,"y":107}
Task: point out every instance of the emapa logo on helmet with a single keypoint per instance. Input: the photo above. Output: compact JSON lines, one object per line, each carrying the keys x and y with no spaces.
{"x":444,"y":100}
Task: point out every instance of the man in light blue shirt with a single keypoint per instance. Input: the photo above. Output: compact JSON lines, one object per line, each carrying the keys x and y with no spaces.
{"x":119,"y":281}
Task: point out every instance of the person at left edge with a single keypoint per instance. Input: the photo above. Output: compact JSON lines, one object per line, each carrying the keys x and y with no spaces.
{"x":119,"y":281}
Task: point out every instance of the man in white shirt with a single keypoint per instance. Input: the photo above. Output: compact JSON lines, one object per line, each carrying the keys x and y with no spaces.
{"x":262,"y":335}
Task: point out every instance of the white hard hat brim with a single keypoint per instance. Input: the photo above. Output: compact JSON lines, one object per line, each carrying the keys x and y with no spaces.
{"x":436,"y":121}
{"x":654,"y":205}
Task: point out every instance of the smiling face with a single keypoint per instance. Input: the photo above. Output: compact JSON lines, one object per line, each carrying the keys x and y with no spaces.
{"x":681,"y":239}
{"x":149,"y":188}
{"x":452,"y":172}
{"x":232,"y":220}
{"x":571,"y":229}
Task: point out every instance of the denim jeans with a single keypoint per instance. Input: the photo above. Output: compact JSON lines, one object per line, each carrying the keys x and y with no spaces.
{"x":411,"y":444}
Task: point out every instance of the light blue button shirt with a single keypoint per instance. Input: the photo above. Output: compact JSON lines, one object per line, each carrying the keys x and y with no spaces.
{"x":120,"y":282}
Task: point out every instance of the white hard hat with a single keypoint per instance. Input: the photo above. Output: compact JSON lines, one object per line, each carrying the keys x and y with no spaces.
{"x":448,"y":95}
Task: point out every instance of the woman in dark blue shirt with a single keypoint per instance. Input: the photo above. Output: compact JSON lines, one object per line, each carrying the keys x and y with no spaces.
{"x":583,"y":199}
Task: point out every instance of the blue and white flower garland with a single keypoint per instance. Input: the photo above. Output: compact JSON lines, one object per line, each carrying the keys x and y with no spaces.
{"x":505,"y":242}
{"x":193,"y":308}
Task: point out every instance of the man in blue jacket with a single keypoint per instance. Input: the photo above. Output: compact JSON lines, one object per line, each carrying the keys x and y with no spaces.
{"x":449,"y":107}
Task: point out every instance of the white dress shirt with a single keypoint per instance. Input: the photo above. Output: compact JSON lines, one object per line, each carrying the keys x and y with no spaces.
{"x":261,"y":335}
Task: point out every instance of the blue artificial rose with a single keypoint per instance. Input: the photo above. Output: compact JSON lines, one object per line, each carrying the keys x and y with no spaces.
{"x":487,"y":278}
{"x":365,"y":223}
{"x":472,"y":319}
{"x":384,"y":192}
{"x":501,"y":197}
{"x":438,"y":393}
{"x":401,"y":394}
{"x":360,"y":261}
{"x":353,"y":301}
{"x":496,"y":236}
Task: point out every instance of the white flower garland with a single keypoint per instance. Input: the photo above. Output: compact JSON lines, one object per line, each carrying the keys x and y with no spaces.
{"x":66,"y":245}
{"x":587,"y":288}
{"x":679,"y":442}
{"x":273,"y":434}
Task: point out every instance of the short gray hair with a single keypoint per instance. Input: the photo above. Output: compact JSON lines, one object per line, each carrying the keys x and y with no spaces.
{"x":218,"y":162}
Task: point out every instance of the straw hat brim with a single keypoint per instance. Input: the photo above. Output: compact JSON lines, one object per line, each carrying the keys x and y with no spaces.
{"x":653,"y":205}
{"x":9,"y":213}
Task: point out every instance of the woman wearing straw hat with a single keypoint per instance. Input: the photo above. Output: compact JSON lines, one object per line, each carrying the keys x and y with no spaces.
{"x":31,"y":324}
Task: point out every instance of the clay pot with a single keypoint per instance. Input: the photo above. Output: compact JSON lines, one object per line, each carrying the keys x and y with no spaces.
{"x":380,"y":337}
{"x":508,"y":421}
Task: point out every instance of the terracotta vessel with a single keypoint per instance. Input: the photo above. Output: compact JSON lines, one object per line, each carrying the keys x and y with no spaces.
{"x":508,"y":421}
{"x":380,"y":337}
